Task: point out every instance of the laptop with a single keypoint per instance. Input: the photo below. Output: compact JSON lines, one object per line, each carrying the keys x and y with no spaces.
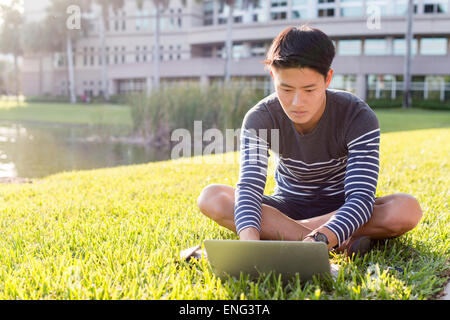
{"x":252,"y":257}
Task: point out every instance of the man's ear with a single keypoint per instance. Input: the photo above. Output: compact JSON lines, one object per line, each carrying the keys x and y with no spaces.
{"x":329,"y":77}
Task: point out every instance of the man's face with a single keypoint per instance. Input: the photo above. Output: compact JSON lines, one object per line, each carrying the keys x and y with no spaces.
{"x":301,"y":93}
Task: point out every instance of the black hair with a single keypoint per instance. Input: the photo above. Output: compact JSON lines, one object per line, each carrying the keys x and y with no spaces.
{"x":300,"y":47}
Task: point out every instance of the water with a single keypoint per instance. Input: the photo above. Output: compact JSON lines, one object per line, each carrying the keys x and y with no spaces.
{"x":35,"y":150}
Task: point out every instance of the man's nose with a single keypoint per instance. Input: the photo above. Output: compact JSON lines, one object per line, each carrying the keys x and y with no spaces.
{"x":296,"y":101}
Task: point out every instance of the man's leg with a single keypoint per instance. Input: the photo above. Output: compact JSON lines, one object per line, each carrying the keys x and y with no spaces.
{"x":216,"y":201}
{"x":392,"y":216}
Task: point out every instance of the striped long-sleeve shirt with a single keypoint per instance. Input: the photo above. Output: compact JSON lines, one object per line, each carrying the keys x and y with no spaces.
{"x":338,"y":162}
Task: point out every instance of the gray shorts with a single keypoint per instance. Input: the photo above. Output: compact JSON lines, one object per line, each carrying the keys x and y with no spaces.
{"x":298,"y":209}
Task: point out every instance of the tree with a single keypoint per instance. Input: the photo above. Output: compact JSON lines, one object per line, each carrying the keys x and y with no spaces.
{"x":229,"y":36}
{"x":34,"y":41}
{"x":64,"y":23}
{"x":158,"y":5}
{"x":407,"y":75}
{"x":10,"y":33}
{"x":105,"y":6}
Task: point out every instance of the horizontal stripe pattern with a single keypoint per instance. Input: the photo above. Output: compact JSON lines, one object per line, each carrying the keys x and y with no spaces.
{"x":353,"y":176}
{"x":254,"y":152}
{"x":360,"y":186}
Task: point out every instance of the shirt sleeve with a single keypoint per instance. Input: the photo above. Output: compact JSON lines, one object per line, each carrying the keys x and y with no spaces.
{"x":254,"y":155}
{"x":361,"y":176}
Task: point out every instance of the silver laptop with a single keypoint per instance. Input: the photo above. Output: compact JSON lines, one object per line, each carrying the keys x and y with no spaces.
{"x":261,"y":257}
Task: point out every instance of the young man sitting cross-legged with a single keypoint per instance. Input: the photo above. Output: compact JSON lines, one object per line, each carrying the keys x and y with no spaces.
{"x":327,"y":155}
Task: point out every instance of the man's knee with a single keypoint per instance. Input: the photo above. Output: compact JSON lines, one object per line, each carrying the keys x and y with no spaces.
{"x":214,"y":201}
{"x":404,"y":214}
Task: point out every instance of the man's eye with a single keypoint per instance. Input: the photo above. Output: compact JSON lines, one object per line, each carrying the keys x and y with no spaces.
{"x":309,"y":90}
{"x":286,"y":90}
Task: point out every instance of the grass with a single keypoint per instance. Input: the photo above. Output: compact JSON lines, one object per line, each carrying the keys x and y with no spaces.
{"x":107,"y":114}
{"x":116,"y":233}
{"x":392,"y":120}
{"x":90,"y":114}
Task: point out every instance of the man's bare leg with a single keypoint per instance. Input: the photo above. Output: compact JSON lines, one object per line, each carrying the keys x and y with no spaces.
{"x":217,"y":202}
{"x":392,"y":216}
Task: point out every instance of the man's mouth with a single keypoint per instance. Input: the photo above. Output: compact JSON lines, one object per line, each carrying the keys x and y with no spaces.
{"x":299,"y":113}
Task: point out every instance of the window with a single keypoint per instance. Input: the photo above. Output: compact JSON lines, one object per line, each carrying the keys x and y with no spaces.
{"x":351,"y":12}
{"x":278,"y":3}
{"x":100,"y":61}
{"x":351,"y":8}
{"x":278,"y":15}
{"x":400,"y":47}
{"x":401,"y":7}
{"x":257,"y":49}
{"x":350,"y":47}
{"x":132,"y":85}
{"x":92,"y":56}
{"x":380,"y":6}
{"x":144,"y":53}
{"x":116,"y":22}
{"x":208,"y":13}
{"x":326,"y":12}
{"x":180,"y":17}
{"x":299,"y":14}
{"x":123,"y":54}
{"x":85,"y":56}
{"x":239,"y":51}
{"x":435,"y":7}
{"x":259,"y":11}
{"x":375,"y":47}
{"x":137,"y":53}
{"x":179,"y":52}
{"x":433,"y":46}
{"x":116,"y":57}
{"x":278,"y":9}
{"x":299,"y":9}
{"x":345,"y":82}
{"x":326,"y":8}
{"x":142,"y":20}
{"x":124,"y":21}
{"x":107,"y":55}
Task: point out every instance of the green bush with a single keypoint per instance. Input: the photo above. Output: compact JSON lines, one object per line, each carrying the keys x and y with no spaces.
{"x":169,"y":108}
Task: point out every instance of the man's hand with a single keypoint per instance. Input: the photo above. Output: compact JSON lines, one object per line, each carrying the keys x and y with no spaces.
{"x":249,"y":234}
{"x":332,"y":239}
{"x":308,"y":239}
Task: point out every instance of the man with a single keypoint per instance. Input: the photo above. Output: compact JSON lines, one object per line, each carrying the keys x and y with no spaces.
{"x":327,"y":155}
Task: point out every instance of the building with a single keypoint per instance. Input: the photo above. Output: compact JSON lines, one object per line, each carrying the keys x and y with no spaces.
{"x":368,"y":34}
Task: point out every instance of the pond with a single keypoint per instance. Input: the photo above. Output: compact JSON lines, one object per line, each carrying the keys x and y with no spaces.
{"x":36,"y":150}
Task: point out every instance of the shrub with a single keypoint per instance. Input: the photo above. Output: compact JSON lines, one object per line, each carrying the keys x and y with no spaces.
{"x":179,"y":106}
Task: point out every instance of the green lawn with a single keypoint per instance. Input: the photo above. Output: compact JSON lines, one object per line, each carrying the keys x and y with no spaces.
{"x":107,"y":114}
{"x":91,"y":114}
{"x":116,"y":233}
